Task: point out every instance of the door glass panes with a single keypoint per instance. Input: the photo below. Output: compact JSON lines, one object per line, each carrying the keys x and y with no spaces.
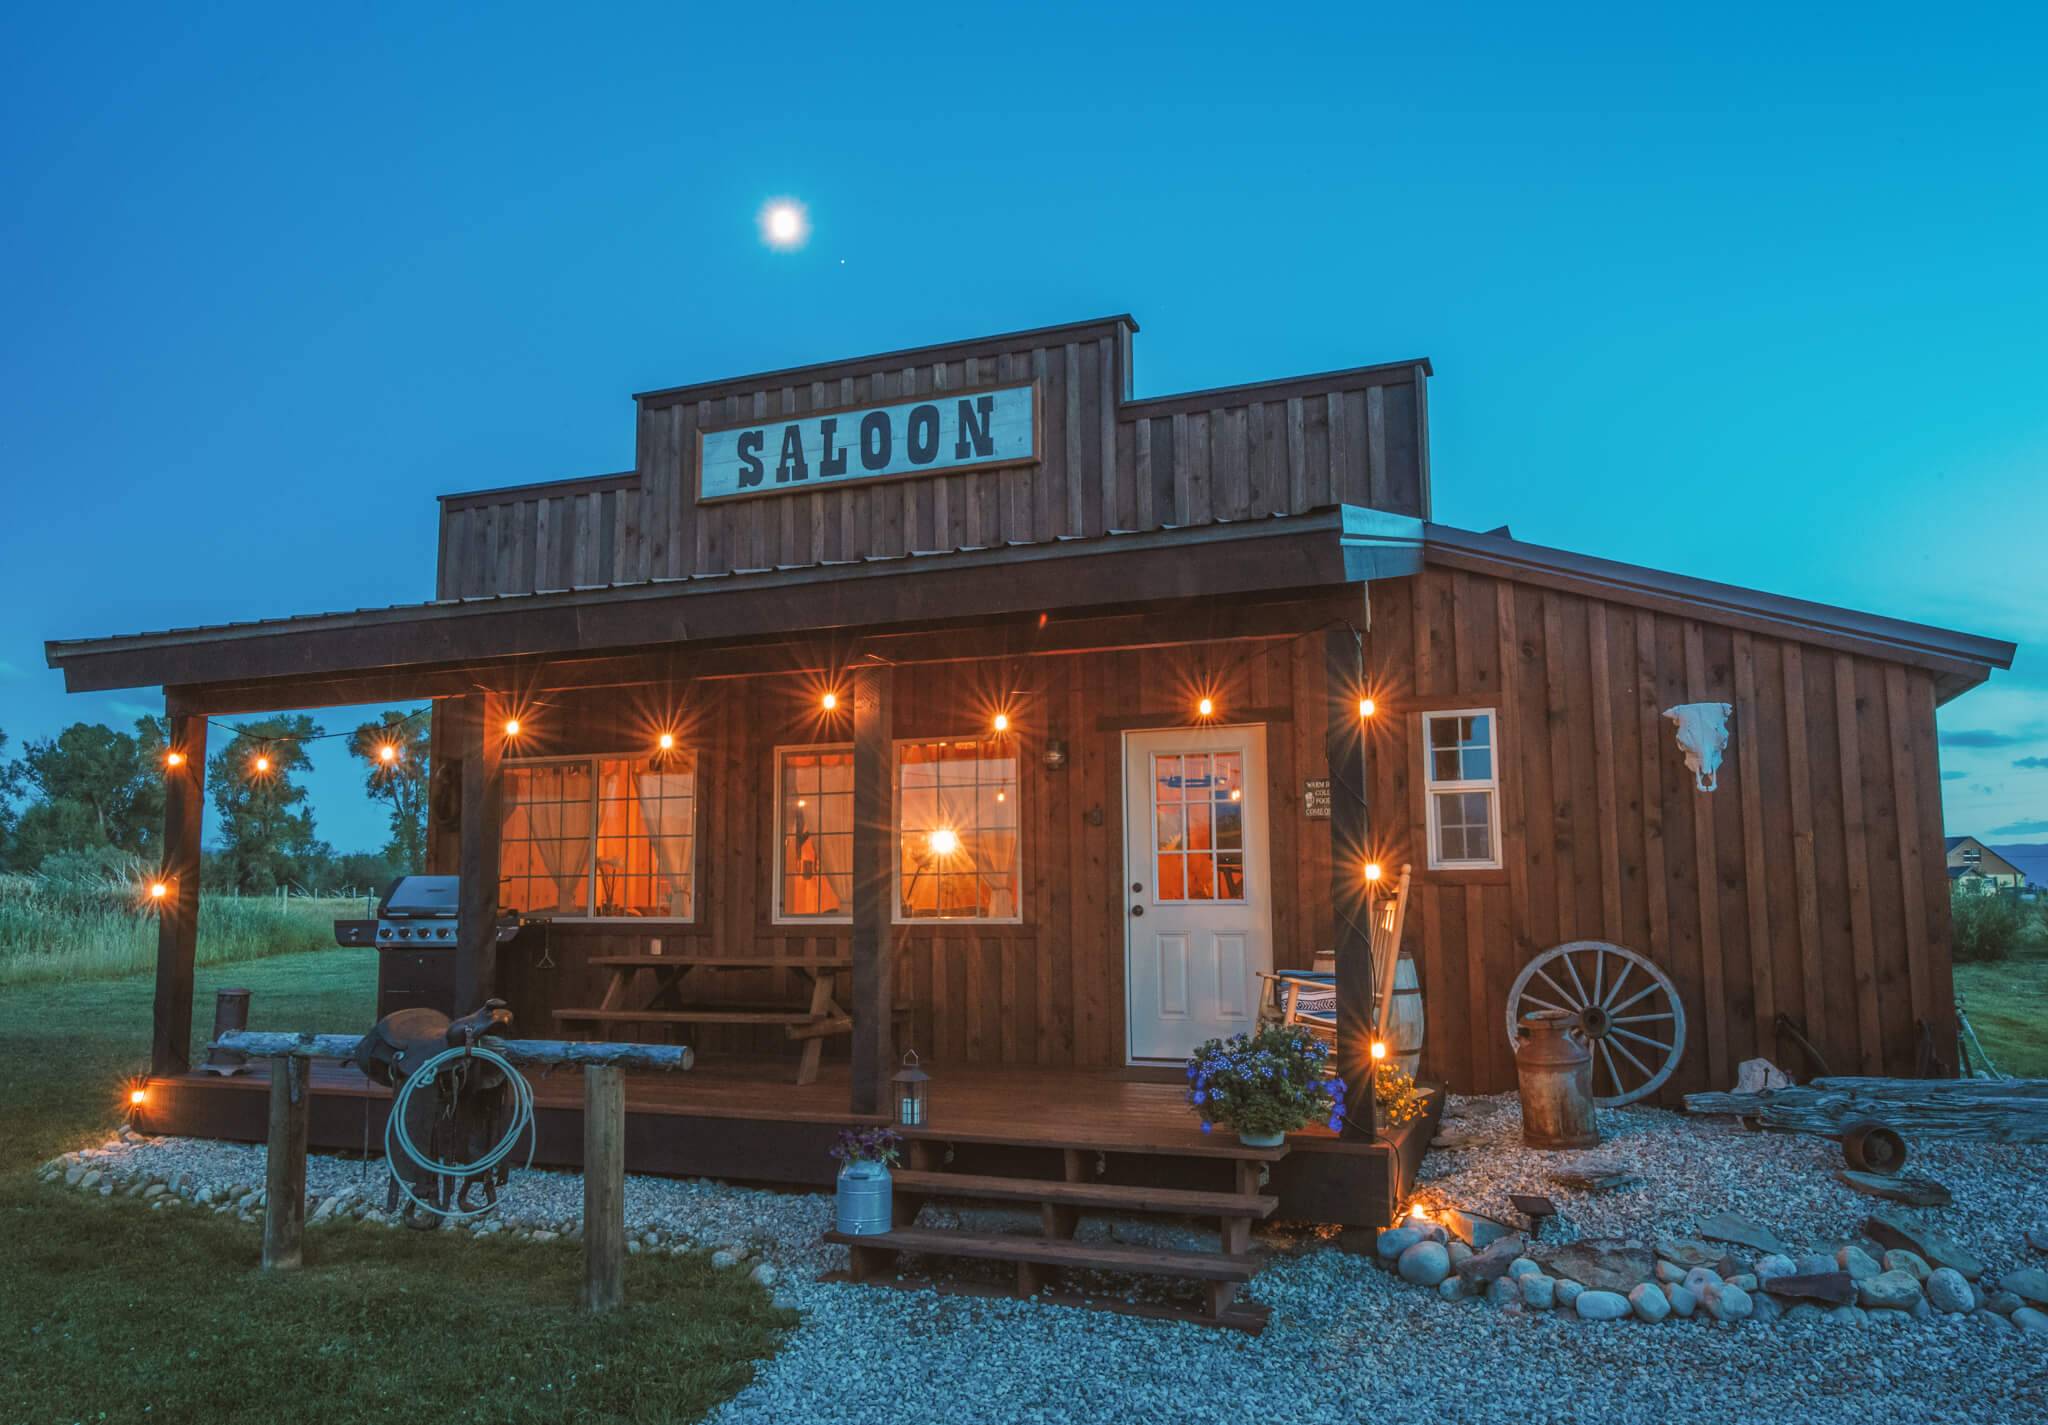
{"x":815,"y":846}
{"x":1198,"y":825}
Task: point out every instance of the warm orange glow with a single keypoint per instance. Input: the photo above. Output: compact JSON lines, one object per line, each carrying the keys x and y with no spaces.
{"x":138,"y":1097}
{"x":1206,"y":708}
{"x":158,"y":890}
{"x":1419,"y":1211}
{"x":387,"y":754}
{"x":1379,"y":1051}
{"x":1366,"y":707}
{"x":667,"y":741}
{"x":1372,"y":870}
{"x":262,"y":765}
{"x":801,"y":802}
{"x":174,"y":759}
{"x":829,"y":701}
{"x":1002,"y":796}
{"x":944,"y":841}
{"x":1002,"y":722}
{"x":1237,"y":794}
{"x":511,"y":727}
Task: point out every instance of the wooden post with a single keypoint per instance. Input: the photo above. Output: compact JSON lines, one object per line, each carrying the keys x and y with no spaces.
{"x":1344,"y":683}
{"x":476,"y":947}
{"x":177,"y":929}
{"x":874,"y":948}
{"x":284,"y":1182}
{"x":604,"y":1188}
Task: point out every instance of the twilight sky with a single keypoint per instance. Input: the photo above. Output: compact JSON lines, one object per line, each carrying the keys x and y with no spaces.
{"x":1751,"y":294}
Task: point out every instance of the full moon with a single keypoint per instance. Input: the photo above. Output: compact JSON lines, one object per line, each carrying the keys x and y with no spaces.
{"x":784,"y":223}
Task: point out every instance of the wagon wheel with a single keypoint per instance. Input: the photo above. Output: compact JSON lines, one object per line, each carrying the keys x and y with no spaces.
{"x":1625,"y":1007}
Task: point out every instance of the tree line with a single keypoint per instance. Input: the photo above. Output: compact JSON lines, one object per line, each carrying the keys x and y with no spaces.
{"x":89,"y":803}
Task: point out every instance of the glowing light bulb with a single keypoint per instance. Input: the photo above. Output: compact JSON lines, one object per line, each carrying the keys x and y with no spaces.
{"x":387,"y":753}
{"x":1206,"y":707}
{"x":158,"y":890}
{"x":1372,"y":870}
{"x":511,"y":727}
{"x":1002,"y":722}
{"x":829,"y":701}
{"x":944,"y":842}
{"x":1379,"y":1050}
{"x":1237,"y":794}
{"x":174,"y":759}
{"x":1366,"y":707}
{"x":138,"y":1097}
{"x":262,"y":765}
{"x":1002,"y":796}
{"x":667,"y":741}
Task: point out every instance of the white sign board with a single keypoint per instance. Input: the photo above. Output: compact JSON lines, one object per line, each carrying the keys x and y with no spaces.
{"x":940,"y":432}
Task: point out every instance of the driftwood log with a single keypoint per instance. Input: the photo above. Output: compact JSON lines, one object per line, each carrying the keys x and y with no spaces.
{"x":543,"y":1052}
{"x":1977,"y":1110}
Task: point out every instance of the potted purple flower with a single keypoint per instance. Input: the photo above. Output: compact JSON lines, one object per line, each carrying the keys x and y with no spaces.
{"x":865,"y":1156}
{"x":1264,"y":1086}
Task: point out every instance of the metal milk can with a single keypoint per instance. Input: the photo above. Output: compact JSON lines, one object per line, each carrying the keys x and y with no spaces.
{"x":864,"y":1199}
{"x":1555,"y":1068}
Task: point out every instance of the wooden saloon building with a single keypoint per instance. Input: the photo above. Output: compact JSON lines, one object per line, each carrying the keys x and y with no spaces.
{"x":955,"y":699}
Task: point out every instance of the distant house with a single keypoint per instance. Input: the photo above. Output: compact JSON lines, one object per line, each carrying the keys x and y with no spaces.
{"x":1975,"y":866}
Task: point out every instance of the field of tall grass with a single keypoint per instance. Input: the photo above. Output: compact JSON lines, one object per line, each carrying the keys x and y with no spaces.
{"x":71,"y":930}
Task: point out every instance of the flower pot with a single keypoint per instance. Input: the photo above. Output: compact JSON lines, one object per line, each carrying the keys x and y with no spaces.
{"x":864,"y":1199}
{"x":1262,"y":1140}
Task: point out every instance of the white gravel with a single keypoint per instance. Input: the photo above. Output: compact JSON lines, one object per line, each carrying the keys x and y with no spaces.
{"x":1348,"y":1341}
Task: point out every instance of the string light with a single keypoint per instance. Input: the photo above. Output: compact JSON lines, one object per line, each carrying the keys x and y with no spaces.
{"x":158,"y":890}
{"x":666,"y":741}
{"x":174,"y":759}
{"x":262,"y":765}
{"x":829,"y":701}
{"x":944,"y":841}
{"x":1366,"y":707}
{"x":1379,"y":1051}
{"x":511,"y":727}
{"x":138,"y":1097}
{"x":1372,"y":870}
{"x":1002,"y":722}
{"x":1206,"y":707}
{"x":387,"y":754}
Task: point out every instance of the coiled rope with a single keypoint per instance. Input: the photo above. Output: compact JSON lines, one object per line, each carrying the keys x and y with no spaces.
{"x":398,"y":1143}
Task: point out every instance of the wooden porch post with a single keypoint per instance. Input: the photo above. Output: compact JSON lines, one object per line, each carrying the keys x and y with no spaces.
{"x":1344,"y":680}
{"x":177,"y":930}
{"x":476,"y":948}
{"x":874,"y":947}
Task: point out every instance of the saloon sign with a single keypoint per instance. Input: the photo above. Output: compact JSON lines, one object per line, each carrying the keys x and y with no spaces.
{"x":940,"y":432}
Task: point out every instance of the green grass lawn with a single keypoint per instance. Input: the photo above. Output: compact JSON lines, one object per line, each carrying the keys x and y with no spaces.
{"x":112,"y":1312}
{"x":2007,"y":1001}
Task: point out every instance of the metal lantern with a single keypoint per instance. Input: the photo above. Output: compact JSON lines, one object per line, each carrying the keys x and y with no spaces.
{"x":910,"y":1083}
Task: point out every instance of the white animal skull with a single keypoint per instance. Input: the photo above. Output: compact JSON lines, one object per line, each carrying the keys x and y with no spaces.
{"x":1703,"y":737}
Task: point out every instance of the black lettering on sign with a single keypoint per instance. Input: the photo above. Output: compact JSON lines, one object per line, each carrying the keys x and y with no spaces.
{"x":749,"y":450}
{"x":924,"y":434}
{"x":875,"y":440}
{"x":831,"y":459}
{"x":975,"y":441}
{"x":792,"y":466}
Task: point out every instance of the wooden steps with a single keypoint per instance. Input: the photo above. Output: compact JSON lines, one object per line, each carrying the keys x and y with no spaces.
{"x":1040,"y":1259}
{"x":1099,"y":1197}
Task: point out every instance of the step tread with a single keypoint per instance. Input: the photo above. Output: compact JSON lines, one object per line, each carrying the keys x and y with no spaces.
{"x":1096,"y":1139}
{"x":1108,"y":1196}
{"x":693,"y":1016}
{"x":1053,"y":1252}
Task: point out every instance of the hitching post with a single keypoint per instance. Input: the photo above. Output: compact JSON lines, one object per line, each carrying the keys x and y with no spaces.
{"x":604,"y":1188}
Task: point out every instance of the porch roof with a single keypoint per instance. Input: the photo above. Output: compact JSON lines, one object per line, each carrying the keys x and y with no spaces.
{"x":1333,"y":546}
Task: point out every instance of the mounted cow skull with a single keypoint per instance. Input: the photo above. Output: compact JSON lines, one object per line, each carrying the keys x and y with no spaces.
{"x":1703,"y":737}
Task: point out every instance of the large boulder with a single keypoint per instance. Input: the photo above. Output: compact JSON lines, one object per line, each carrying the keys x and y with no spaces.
{"x":1394,"y":1242}
{"x":1831,"y":1288}
{"x":1894,"y":1229}
{"x":1743,"y":1231}
{"x":1602,"y":1264}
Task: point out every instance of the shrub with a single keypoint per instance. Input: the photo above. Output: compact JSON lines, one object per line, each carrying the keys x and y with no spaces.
{"x":1987,"y":925}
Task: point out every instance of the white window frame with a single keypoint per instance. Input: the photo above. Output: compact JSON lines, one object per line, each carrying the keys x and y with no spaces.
{"x":776,"y":914}
{"x":896,"y":915}
{"x":590,"y":915}
{"x":1490,"y":785}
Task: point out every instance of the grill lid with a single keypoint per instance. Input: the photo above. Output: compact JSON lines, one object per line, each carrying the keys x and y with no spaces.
{"x":422,"y":898}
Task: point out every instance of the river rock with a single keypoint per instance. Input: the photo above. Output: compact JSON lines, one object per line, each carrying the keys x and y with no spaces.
{"x":1393,"y":1243}
{"x":1831,"y":1288}
{"x":1649,"y":1303}
{"x":1743,"y":1231}
{"x":1568,"y":1293}
{"x":1848,"y":1316}
{"x":1774,"y":1264}
{"x":1451,"y":1288}
{"x":1524,"y":1267}
{"x":1504,"y":1291}
{"x":1602,"y":1264}
{"x":1424,"y":1264}
{"x":1457,"y":1252}
{"x":764,"y":1274}
{"x":1601,"y":1306}
{"x":1477,"y":1231}
{"x":1683,"y":1302}
{"x":2001,"y":1302}
{"x":1700,"y":1278}
{"x":1814,"y":1263}
{"x":1888,"y":1291}
{"x":1900,"y":1260}
{"x":1726,"y":1302}
{"x":1669,"y":1271}
{"x":2028,"y":1283}
{"x":1688,"y":1251}
{"x":1799,"y":1313}
{"x":2031,"y":1321}
{"x":1493,"y":1262}
{"x":1765,"y":1307}
{"x":1539,"y":1292}
{"x":1745,"y":1280}
{"x":1914,"y":1192}
{"x":1892,"y":1229}
{"x":1857,"y":1263}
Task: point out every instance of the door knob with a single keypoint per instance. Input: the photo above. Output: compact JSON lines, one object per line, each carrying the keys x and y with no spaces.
{"x":1137,"y":910}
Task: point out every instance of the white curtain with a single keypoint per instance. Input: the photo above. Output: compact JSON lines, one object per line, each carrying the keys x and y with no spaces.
{"x":672,"y":852}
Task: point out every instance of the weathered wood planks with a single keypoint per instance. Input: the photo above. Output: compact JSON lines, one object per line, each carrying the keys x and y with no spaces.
{"x":1975,"y":1110}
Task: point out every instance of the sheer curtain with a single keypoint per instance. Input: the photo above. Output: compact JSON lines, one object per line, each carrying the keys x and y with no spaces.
{"x":668,"y":812}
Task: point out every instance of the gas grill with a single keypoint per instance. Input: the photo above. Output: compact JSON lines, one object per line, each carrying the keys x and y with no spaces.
{"x":415,"y":926}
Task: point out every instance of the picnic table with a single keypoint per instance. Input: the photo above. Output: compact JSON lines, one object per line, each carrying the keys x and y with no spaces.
{"x":665,"y":989}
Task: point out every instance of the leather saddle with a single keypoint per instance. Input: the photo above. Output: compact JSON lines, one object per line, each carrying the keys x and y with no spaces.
{"x":401,"y":1041}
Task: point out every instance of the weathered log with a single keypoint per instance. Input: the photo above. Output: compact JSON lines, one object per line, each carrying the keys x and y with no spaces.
{"x":604,"y":1188}
{"x":544,"y":1052}
{"x":284,"y":1181}
{"x":1976,"y":1110}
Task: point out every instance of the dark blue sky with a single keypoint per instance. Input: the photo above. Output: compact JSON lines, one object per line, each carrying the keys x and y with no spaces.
{"x":1756,"y":295}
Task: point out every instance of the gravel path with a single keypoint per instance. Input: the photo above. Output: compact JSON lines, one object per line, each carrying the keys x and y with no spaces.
{"x":1348,"y":1341}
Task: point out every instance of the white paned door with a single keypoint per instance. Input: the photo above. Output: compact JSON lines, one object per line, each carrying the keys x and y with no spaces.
{"x":1198,"y":906}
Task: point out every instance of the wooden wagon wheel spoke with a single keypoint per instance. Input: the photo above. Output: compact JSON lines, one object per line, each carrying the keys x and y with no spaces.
{"x":1637,"y":993}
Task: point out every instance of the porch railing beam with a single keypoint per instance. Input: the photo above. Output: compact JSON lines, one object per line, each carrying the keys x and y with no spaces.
{"x":874,"y":947}
{"x":1344,"y":684}
{"x":177,"y":931}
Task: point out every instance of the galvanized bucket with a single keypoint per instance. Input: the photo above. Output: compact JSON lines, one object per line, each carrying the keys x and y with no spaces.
{"x":864,"y":1190}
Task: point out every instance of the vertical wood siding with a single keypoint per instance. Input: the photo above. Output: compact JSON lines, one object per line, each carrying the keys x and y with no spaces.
{"x":1809,"y":884}
{"x":1106,"y":464}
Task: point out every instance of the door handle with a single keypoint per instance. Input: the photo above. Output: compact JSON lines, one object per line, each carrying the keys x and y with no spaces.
{"x":1137,"y":910}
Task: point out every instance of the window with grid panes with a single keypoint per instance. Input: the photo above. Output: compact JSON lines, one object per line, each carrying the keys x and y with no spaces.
{"x":958,"y":856}
{"x":1461,"y":788}
{"x":814,"y":833}
{"x":600,"y":837}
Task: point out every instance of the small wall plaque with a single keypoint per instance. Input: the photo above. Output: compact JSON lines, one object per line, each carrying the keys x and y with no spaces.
{"x":1315,"y":798}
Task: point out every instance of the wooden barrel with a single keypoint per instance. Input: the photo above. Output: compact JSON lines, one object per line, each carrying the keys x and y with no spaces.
{"x":1404,"y":1026}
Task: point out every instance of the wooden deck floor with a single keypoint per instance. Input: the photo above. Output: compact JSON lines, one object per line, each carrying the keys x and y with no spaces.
{"x":748,"y":1122}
